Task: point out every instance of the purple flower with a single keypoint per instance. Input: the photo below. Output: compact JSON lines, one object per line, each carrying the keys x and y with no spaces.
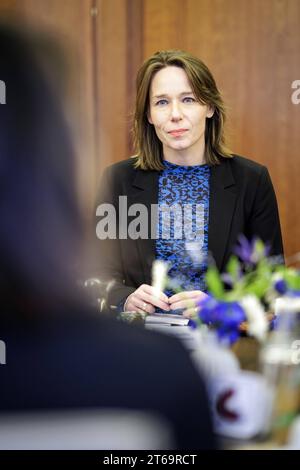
{"x":249,"y":252}
{"x":244,"y":249}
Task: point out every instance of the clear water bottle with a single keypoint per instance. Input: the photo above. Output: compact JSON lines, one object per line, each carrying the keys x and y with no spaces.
{"x":280,"y":364}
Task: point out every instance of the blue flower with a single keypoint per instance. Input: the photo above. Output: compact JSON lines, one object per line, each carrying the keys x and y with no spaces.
{"x":230,"y":336}
{"x":226,"y":317}
{"x":281,"y":286}
{"x":192,"y":324}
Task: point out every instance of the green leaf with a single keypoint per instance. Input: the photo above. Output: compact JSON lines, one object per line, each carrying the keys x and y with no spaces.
{"x":233,"y":268}
{"x":259,"y":249}
{"x":214,"y":283}
{"x":258,"y":287}
{"x":292,"y":279}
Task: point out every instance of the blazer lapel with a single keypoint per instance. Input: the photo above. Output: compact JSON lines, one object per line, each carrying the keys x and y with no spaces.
{"x":145,"y":191}
{"x":223,"y":193}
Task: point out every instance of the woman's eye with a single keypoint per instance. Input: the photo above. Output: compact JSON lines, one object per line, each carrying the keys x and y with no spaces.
{"x":189,"y":99}
{"x":161,"y":102}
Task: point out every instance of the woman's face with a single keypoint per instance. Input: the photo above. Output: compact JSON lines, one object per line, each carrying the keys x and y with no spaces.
{"x":178,"y":118}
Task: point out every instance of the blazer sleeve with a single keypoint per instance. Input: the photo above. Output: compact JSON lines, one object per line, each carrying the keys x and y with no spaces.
{"x":264,"y":221}
{"x":108,"y":265}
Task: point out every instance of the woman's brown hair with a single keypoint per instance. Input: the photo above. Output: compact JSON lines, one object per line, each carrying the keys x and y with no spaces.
{"x":148,"y":146}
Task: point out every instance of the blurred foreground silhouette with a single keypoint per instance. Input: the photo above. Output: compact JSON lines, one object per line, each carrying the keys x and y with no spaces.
{"x":61,"y":355}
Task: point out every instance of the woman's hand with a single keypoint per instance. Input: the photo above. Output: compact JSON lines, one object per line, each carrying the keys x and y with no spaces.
{"x":145,"y":299}
{"x":187,"y":301}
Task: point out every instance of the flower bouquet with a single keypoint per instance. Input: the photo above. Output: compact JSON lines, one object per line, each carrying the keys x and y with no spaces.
{"x":242,"y":299}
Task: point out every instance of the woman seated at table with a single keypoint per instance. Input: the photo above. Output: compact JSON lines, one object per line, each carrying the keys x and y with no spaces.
{"x":181,"y":163}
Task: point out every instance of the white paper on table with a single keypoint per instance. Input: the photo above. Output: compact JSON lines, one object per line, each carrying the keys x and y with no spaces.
{"x":166,"y":319}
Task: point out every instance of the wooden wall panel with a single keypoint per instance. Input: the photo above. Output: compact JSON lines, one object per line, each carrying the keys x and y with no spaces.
{"x":111,"y":58}
{"x":164,"y":25}
{"x":118,"y":55}
{"x":135,"y":28}
{"x":7,"y":7}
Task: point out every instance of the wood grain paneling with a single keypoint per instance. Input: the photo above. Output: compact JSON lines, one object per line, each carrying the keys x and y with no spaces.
{"x":7,"y":7}
{"x":118,"y":55}
{"x":135,"y":45}
{"x":165,"y":22}
{"x":111,"y":81}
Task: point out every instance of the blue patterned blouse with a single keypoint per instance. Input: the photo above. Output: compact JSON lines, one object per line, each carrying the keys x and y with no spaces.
{"x":182,"y":233}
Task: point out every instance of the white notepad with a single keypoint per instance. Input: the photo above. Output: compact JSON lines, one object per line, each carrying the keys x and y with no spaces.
{"x":166,"y":319}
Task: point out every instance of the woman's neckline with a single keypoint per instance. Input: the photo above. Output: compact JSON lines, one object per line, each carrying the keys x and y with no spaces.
{"x":169,"y":164}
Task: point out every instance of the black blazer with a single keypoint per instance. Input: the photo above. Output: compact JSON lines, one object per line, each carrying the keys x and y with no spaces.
{"x":242,"y":201}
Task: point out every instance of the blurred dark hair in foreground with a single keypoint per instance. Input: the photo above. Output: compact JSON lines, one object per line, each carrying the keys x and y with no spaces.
{"x":40,"y":229}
